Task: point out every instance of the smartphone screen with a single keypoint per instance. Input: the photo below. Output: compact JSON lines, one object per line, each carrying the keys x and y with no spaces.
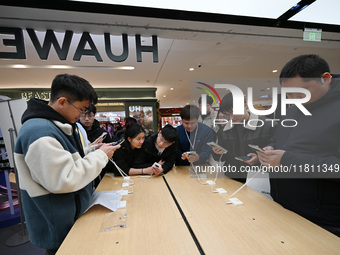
{"x":255,"y":147}
{"x":101,"y":138}
{"x":191,"y":153}
{"x":213,"y":145}
{"x":243,"y":158}
{"x":120,"y":141}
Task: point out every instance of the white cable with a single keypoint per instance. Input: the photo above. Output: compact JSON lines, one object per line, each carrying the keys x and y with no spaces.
{"x":197,"y":175}
{"x":122,"y":173}
{"x":220,"y":163}
{"x":244,"y":184}
{"x":192,"y":144}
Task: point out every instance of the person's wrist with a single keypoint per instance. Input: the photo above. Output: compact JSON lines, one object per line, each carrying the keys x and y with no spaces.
{"x":142,"y":170}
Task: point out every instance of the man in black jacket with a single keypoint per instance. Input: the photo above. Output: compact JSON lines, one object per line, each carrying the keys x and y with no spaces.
{"x":159,"y":147}
{"x":94,"y":131}
{"x":311,"y":149}
{"x":240,"y":131}
{"x":92,"y":126}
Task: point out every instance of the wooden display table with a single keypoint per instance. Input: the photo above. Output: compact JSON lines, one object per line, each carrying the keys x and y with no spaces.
{"x":154,"y":224}
{"x":209,"y":226}
{"x":260,"y":226}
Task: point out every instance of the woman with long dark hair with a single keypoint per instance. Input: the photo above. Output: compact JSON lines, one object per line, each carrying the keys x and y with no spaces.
{"x":124,"y":157}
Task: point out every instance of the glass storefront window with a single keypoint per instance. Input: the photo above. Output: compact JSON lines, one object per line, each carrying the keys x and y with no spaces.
{"x":173,"y":121}
{"x":144,"y":116}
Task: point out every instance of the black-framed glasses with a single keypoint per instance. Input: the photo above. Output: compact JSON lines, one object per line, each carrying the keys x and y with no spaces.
{"x":80,"y":111}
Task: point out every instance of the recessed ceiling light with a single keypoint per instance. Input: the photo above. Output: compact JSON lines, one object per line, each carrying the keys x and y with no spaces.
{"x":164,"y":95}
{"x":191,"y":69}
{"x":274,"y":71}
{"x":171,"y":88}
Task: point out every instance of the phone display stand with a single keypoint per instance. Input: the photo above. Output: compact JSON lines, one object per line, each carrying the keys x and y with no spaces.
{"x":114,"y":220}
{"x":194,"y":174}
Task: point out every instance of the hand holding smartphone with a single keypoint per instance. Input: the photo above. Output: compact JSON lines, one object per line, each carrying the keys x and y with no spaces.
{"x":255,"y":147}
{"x":215,"y":145}
{"x":243,"y":158}
{"x":102,"y":137}
{"x":156,"y":165}
{"x":120,"y":141}
{"x":191,"y":153}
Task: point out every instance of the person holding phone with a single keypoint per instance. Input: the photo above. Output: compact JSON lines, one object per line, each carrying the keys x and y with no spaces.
{"x":161,"y":148}
{"x":236,"y":136}
{"x":193,"y":138}
{"x":125,"y":157}
{"x":95,"y":135}
{"x":92,"y":126}
{"x":312,"y":147}
{"x":56,"y":176}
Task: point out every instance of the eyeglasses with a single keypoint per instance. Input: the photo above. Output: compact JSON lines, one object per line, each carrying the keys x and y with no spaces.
{"x":80,"y":111}
{"x":88,"y":116}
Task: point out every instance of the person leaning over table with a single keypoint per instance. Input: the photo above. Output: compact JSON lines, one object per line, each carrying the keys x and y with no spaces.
{"x":125,"y":157}
{"x":56,"y":177}
{"x":314,"y":143}
{"x":193,"y":136}
{"x":161,"y":148}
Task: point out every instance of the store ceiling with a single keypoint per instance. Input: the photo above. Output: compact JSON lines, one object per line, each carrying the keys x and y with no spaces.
{"x":239,"y":54}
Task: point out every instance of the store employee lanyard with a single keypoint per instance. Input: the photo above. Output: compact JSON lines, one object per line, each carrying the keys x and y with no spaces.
{"x":192,"y":144}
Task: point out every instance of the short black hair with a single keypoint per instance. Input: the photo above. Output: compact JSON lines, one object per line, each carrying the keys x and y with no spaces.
{"x":92,"y":108}
{"x":227,"y":103}
{"x":309,"y":67}
{"x":73,"y":87}
{"x":169,"y":133}
{"x":190,"y":112}
{"x":210,"y":100}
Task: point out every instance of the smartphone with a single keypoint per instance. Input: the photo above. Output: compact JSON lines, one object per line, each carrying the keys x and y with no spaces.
{"x":120,"y":141}
{"x":255,"y":147}
{"x":214,"y":145}
{"x":243,"y":158}
{"x":102,"y":137}
{"x":191,"y":153}
{"x":156,"y":165}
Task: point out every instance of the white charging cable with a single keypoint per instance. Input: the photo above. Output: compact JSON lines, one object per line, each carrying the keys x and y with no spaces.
{"x":125,"y":176}
{"x":247,"y":182}
{"x":217,"y":172}
{"x":197,"y":175}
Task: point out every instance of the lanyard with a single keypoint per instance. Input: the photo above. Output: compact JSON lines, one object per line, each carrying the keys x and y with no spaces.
{"x":192,"y":144}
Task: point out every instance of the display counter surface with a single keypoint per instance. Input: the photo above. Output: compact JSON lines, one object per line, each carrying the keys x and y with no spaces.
{"x":176,"y":214}
{"x":259,"y":226}
{"x":153,"y":224}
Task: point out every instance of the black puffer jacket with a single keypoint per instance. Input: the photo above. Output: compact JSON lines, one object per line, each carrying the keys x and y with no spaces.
{"x":124,"y":157}
{"x":149,"y":154}
{"x":97,"y":131}
{"x":313,"y":144}
{"x":92,"y":135}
